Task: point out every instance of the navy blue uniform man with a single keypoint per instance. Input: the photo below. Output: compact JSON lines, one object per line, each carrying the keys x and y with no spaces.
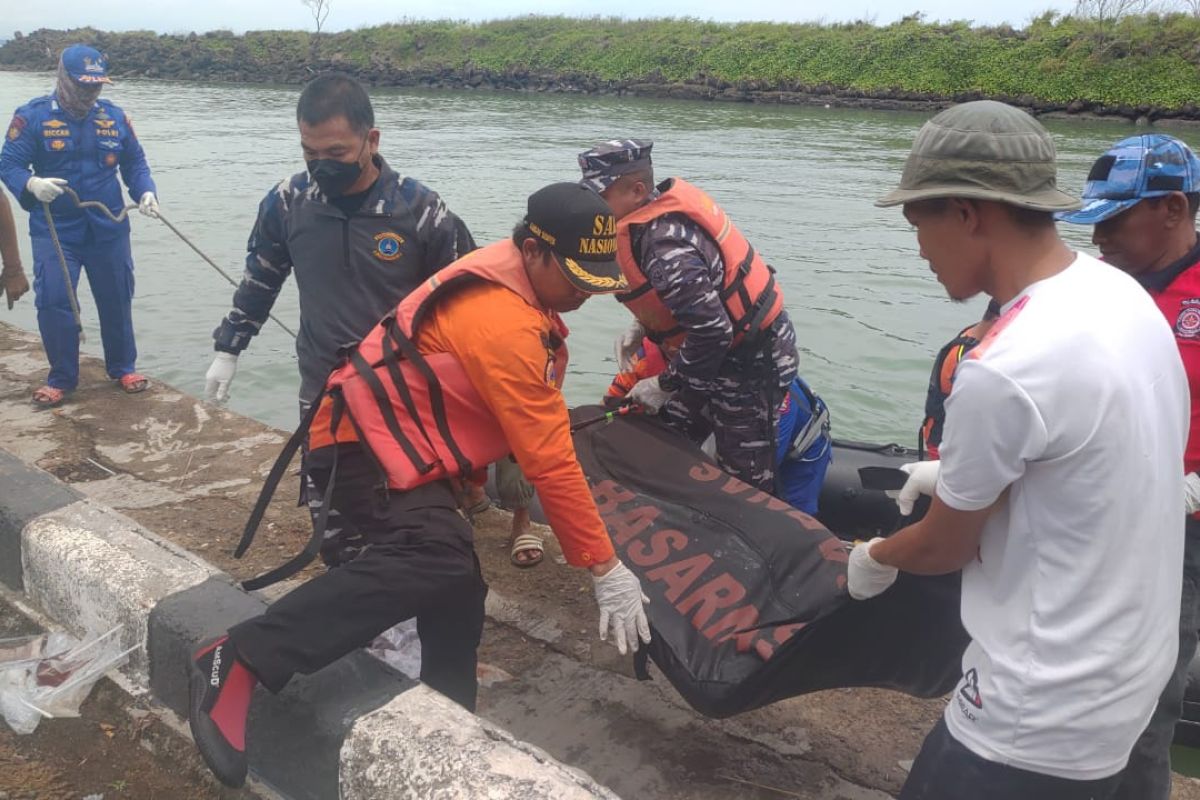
{"x":73,"y":138}
{"x":358,"y":236}
{"x":700,"y":290}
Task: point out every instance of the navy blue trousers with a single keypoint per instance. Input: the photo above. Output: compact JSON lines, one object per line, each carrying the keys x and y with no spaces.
{"x":109,"y":267}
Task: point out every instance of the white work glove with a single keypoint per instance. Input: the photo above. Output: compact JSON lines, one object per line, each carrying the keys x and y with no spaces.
{"x":219,"y":376}
{"x":648,"y":394}
{"x":922,"y":479}
{"x":866,"y":577}
{"x":45,"y":189}
{"x":620,"y":598}
{"x":627,"y":344}
{"x":148,"y":205}
{"x":1191,"y":493}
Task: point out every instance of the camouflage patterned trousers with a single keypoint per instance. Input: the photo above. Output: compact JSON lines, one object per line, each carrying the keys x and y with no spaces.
{"x":740,"y":408}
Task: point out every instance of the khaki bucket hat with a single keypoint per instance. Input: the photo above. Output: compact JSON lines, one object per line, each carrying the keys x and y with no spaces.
{"x":983,"y":150}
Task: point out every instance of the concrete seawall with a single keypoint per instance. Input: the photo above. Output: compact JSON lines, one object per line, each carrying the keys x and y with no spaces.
{"x":355,"y":729}
{"x":119,"y":508}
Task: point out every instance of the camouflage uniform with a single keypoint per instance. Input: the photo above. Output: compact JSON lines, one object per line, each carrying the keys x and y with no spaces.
{"x":734,"y":394}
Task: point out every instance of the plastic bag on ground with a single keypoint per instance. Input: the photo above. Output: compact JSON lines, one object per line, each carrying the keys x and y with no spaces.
{"x":400,"y":648}
{"x":50,"y":675}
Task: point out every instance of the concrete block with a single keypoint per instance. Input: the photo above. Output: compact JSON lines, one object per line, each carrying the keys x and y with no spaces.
{"x":293,"y":739}
{"x":27,"y":492}
{"x":425,"y":747}
{"x":90,"y":569}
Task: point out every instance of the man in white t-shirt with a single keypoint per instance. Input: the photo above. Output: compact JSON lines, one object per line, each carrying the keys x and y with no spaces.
{"x":1058,"y":489}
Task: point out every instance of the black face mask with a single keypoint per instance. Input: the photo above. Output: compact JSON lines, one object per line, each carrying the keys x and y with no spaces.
{"x":333,"y":176}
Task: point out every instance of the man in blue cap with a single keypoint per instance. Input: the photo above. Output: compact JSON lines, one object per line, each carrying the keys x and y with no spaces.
{"x":1142,"y":197}
{"x":702,"y":292}
{"x":72,"y":138}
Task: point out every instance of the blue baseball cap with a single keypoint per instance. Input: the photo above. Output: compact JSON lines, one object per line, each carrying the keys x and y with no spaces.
{"x":1150,"y":165}
{"x":85,"y":64}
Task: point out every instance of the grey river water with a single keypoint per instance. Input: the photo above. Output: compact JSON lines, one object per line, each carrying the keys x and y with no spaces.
{"x":799,"y":182}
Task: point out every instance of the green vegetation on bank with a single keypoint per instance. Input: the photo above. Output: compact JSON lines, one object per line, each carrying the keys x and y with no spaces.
{"x":1137,"y":63}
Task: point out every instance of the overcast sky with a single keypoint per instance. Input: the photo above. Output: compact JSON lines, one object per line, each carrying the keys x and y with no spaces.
{"x":175,"y":16}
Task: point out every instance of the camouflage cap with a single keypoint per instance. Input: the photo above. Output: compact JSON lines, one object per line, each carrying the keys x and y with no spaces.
{"x":1150,"y":165}
{"x":983,"y":150}
{"x":606,"y":162}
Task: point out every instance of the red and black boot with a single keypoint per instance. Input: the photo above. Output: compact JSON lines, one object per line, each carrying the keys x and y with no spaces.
{"x":221,"y":688}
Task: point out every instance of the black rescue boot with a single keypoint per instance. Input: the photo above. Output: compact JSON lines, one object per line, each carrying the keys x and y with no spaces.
{"x":221,"y":687}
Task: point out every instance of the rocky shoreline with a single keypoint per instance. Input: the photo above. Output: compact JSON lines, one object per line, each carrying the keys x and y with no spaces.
{"x":193,"y":58}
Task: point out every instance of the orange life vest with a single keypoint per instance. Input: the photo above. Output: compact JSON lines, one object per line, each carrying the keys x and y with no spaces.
{"x":419,"y":414}
{"x":942,"y":380}
{"x":750,"y":294}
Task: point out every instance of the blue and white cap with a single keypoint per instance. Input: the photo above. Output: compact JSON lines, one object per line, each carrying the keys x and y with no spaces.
{"x":85,"y":64}
{"x":1150,"y":165}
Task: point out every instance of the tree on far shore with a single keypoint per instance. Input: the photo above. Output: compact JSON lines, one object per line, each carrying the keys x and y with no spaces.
{"x":319,"y":10}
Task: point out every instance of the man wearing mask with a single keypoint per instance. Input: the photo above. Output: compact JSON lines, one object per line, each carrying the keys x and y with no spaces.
{"x":358,"y":236}
{"x":1142,"y":197}
{"x":72,"y":138}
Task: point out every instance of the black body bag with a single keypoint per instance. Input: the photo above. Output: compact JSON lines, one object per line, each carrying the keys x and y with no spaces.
{"x":748,"y":603}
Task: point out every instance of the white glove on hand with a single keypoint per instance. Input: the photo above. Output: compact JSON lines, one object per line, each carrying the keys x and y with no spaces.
{"x":922,"y":479}
{"x":626,"y":346}
{"x":148,"y":205}
{"x":620,"y":598}
{"x":648,"y":394}
{"x":45,"y":189}
{"x":1191,"y":493}
{"x":866,"y":577}
{"x":219,"y":376}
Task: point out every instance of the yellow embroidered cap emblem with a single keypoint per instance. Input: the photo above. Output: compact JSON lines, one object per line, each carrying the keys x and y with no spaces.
{"x":581,"y":230}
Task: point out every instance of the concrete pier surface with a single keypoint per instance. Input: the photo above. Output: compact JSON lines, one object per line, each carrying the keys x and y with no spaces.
{"x":161,"y":484}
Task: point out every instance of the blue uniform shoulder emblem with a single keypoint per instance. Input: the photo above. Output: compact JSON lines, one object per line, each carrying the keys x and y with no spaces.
{"x":387,"y":245}
{"x":15,"y":127}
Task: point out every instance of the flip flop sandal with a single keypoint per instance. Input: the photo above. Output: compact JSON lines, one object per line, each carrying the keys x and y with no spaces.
{"x":134,"y":383}
{"x":526,"y":543}
{"x":48,"y":397}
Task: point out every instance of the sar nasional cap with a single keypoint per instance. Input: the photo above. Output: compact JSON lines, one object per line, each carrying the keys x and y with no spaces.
{"x":85,"y":64}
{"x":983,"y":150}
{"x":1150,"y":165}
{"x":580,"y":228}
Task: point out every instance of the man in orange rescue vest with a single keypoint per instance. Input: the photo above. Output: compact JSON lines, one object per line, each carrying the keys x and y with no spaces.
{"x":697,"y":286}
{"x":467,"y":369}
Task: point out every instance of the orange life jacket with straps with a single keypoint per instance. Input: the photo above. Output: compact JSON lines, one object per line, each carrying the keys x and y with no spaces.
{"x":417,"y":415}
{"x":941,"y":380}
{"x":751,"y":297}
